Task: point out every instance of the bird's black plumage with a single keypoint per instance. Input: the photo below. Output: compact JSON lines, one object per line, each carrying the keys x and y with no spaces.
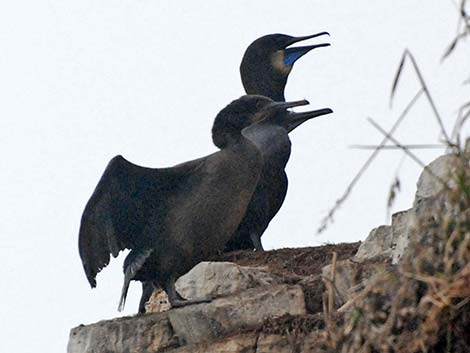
{"x":268,"y":61}
{"x":173,"y":218}
{"x":264,"y":70}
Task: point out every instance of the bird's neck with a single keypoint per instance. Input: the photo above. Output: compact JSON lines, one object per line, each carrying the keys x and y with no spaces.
{"x":272,"y":88}
{"x":271,"y":141}
{"x":265,"y":79}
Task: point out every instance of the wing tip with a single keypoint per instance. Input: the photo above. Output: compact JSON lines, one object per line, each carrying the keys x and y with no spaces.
{"x":91,"y":280}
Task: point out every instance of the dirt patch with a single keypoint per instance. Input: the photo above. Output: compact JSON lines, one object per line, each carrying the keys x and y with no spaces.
{"x":301,"y":266}
{"x":294,"y":325}
{"x":291,"y":262}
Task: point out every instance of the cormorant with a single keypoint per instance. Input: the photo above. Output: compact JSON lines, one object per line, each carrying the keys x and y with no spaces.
{"x":264,"y":70}
{"x":173,"y":218}
{"x":268,"y":61}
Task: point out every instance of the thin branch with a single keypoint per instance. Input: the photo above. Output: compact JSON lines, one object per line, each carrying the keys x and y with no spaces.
{"x":397,"y":77}
{"x":464,"y":112}
{"x":340,"y":201}
{"x":408,"y":152}
{"x":410,"y":147}
{"x":395,"y":186}
{"x":453,"y":45}
{"x":408,"y":54}
{"x":464,"y":16}
{"x":331,"y":300}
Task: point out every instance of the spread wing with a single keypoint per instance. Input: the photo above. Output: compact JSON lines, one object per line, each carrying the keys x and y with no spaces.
{"x":116,"y":214}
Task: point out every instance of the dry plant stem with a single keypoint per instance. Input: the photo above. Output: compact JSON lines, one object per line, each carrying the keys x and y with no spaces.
{"x":340,"y":201}
{"x":325,"y":309}
{"x":448,"y":252}
{"x":328,"y":302}
{"x":462,"y":303}
{"x":464,"y":16}
{"x":464,"y":114}
{"x":333,"y":277}
{"x":327,"y":317}
{"x":453,"y":45}
{"x":409,"y":153}
{"x":358,"y":297}
{"x":465,"y":19}
{"x":410,"y":147}
{"x":422,"y":304}
{"x":408,"y":54}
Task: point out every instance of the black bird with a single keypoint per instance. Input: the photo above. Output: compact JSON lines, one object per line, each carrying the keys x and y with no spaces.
{"x":268,"y":61}
{"x":173,"y":218}
{"x":264,"y":70}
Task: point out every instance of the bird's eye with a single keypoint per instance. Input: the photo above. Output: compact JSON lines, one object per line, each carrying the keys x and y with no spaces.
{"x":259,"y":104}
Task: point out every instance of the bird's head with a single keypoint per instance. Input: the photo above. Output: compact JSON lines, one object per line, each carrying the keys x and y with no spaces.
{"x":252,"y":109}
{"x":268,"y":61}
{"x":239,"y":114}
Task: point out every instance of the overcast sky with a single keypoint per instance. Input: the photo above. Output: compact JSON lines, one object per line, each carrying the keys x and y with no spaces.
{"x":82,"y":81}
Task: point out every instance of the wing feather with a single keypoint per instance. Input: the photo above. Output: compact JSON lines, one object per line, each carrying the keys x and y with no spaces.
{"x":126,"y":196}
{"x":97,"y":237}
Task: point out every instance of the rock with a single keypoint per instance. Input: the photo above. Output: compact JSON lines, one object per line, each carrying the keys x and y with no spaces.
{"x":351,"y":277}
{"x":379,"y":244}
{"x":158,"y":302}
{"x":310,"y":343}
{"x":268,"y":343}
{"x":193,"y":328}
{"x":241,"y":343}
{"x":388,"y":242}
{"x":411,"y":228}
{"x":147,"y":333}
{"x":214,"y":279}
{"x":442,"y":168}
{"x":313,"y":288}
{"x":392,"y":242}
{"x":345,"y":278}
{"x":402,"y":223}
{"x":384,"y":245}
{"x":254,"y":342}
{"x":207,"y":321}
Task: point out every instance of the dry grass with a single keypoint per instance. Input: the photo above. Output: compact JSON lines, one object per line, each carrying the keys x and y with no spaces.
{"x":452,"y":141}
{"x":423,"y":305}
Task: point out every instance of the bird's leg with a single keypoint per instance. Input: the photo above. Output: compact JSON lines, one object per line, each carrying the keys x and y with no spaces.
{"x":256,"y":240}
{"x":176,"y":300}
{"x":172,"y":292}
{"x":147,"y":291}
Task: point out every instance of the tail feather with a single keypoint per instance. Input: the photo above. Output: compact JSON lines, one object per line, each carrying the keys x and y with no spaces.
{"x":133,"y":263}
{"x":125,"y":288}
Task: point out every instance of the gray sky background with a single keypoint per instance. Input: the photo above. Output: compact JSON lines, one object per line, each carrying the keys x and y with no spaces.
{"x":82,"y":81}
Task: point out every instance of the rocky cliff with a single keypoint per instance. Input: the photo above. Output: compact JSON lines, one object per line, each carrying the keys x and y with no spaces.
{"x":335,"y":298}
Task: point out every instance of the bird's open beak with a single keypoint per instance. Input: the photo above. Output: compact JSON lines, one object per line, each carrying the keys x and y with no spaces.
{"x":287,"y":105}
{"x":271,"y":109}
{"x":292,"y":54}
{"x":300,"y":39}
{"x":296,"y":119}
